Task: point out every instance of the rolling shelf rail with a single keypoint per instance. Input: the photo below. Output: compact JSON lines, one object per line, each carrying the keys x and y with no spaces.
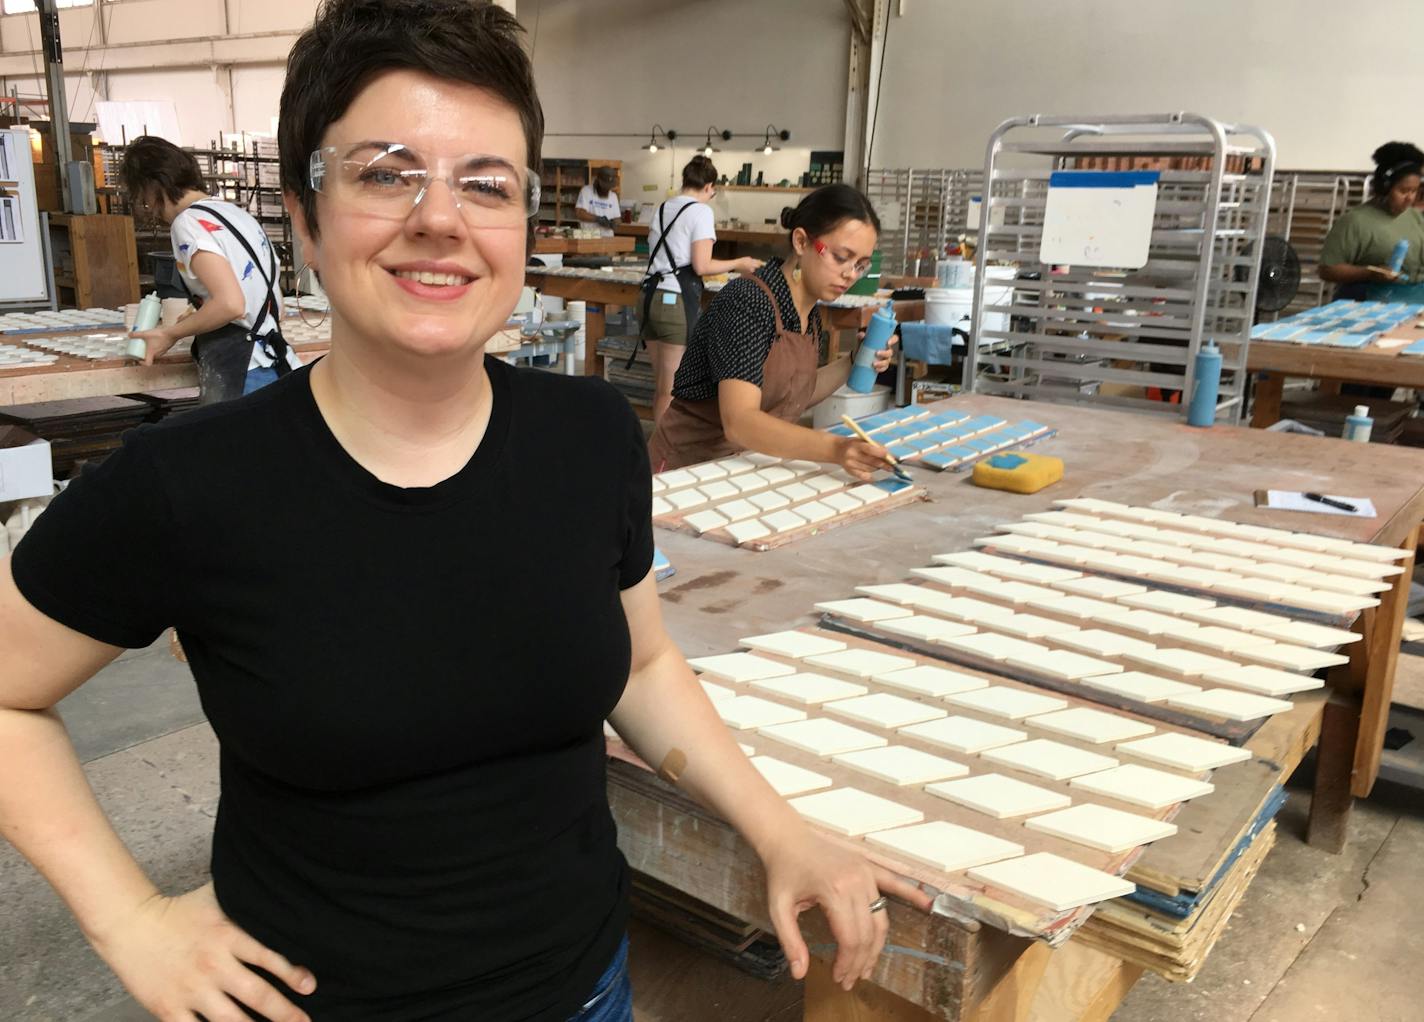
{"x":1071,"y":332}
{"x":920,"y":210}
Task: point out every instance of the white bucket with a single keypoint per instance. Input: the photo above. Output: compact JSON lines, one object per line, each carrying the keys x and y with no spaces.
{"x":948,"y":305}
{"x":578,"y":313}
{"x":850,"y":402}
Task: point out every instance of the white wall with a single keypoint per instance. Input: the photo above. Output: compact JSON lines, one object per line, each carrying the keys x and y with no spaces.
{"x":1330,"y":82}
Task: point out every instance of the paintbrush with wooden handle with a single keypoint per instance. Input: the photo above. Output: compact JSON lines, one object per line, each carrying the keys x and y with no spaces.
{"x":854,"y":427}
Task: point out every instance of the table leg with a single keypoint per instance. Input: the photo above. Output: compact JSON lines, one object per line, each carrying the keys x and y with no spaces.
{"x":1266,"y":399}
{"x":1382,"y":653}
{"x":1334,"y":759}
{"x":593,"y":334}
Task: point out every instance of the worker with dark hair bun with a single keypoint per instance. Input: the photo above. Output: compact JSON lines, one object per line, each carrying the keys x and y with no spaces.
{"x":1359,"y":249}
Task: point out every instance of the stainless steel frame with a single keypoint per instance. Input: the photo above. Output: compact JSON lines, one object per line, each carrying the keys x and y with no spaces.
{"x":1304,"y":206}
{"x":929,"y":207}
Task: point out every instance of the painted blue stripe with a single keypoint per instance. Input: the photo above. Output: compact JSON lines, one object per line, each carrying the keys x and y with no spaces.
{"x":1102,"y":178}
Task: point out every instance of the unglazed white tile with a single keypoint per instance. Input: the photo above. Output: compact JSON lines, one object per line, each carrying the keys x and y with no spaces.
{"x":1253,"y":589}
{"x":705,"y":521}
{"x":823,"y":483}
{"x":861,"y":663}
{"x":935,"y":682}
{"x":975,"y":560}
{"x":748,"y":483}
{"x":792,"y":643}
{"x":964,"y":734}
{"x":815,"y":511}
{"x":736,"y":466}
{"x":1078,"y":608}
{"x":884,"y":710}
{"x":1095,"y":826}
{"x":1269,"y":681}
{"x":842,"y":503}
{"x":745,"y":532}
{"x":1146,"y":688}
{"x":963,"y":608}
{"x":788,"y":779}
{"x":1051,"y":880}
{"x":944,"y":846}
{"x":1293,"y":658}
{"x":995,"y":647}
{"x":661,"y":507}
{"x":677,"y":479}
{"x":1092,"y":505}
{"x":1058,"y":663}
{"x":1230,"y":704}
{"x":822,"y":737}
{"x":999,"y":796}
{"x":796,"y":492}
{"x":1050,"y":759}
{"x":957,"y":578}
{"x":868,"y":493}
{"x":1143,"y":786}
{"x":716,"y":692}
{"x":901,"y":765}
{"x":761,"y":460}
{"x":775,"y":475}
{"x":737,"y":510}
{"x":708,"y":471}
{"x":1184,"y":752}
{"x":1038,"y":574}
{"x":1168,"y":603}
{"x":1100,"y":643}
{"x":740,"y":667}
{"x":802,"y":467}
{"x":1226,"y":640}
{"x":1236,"y":617}
{"x":1179,"y":663}
{"x":863,"y":609}
{"x":1304,"y":633}
{"x":1097,"y":727}
{"x":853,"y":812}
{"x":809,"y":689}
{"x":1098,"y":587}
{"x":928,"y":629}
{"x":1009,"y":703}
{"x":747,"y":712}
{"x":783,"y":521}
{"x":718,"y":490}
{"x":768,"y":500}
{"x":1029,"y":626}
{"x":683,"y":500}
{"x":1328,"y":603}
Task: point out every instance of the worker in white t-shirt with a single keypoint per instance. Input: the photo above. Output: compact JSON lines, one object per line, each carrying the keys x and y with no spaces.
{"x":598,"y":202}
{"x":680,"y":240}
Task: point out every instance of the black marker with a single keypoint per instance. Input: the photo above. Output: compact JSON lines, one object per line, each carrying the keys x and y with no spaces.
{"x":1331,"y":503}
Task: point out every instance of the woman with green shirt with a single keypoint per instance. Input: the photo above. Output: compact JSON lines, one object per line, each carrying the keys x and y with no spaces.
{"x":1358,"y":249}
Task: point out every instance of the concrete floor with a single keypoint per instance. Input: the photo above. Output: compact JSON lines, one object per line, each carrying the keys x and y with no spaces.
{"x":1317,"y":937}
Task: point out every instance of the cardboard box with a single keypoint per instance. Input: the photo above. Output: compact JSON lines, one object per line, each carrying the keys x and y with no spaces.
{"x":26,"y":466}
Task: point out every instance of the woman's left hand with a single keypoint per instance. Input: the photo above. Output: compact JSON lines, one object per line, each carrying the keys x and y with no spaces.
{"x":157,"y":341}
{"x":886,"y":355}
{"x":809,"y":870}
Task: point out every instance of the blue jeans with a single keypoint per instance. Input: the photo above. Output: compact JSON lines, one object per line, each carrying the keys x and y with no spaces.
{"x":612,"y":997}
{"x":258,"y":378}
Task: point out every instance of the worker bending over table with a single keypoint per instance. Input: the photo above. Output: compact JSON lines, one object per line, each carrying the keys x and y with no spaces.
{"x":750,"y":370}
{"x":1360,"y":246}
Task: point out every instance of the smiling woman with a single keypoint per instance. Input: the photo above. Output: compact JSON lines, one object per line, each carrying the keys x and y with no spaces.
{"x":414,"y":821}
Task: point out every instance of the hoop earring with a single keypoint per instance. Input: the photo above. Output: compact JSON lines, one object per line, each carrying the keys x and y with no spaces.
{"x":302,"y":309}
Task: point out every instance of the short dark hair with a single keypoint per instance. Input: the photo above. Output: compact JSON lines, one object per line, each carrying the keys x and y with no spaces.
{"x":827,"y":208}
{"x":156,"y":164}
{"x":699,"y":172}
{"x":471,"y":41}
{"x":1394,"y":160}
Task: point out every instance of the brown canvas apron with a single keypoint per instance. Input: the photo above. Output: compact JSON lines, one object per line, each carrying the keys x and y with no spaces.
{"x":691,"y":431}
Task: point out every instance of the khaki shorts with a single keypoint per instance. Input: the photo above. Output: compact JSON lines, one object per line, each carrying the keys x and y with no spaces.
{"x":666,"y":323}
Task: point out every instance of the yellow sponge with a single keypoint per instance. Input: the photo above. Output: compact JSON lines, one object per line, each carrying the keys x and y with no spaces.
{"x":1018,"y":472}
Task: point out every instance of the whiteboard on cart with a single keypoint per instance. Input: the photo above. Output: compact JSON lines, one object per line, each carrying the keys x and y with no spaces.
{"x":22,"y":268}
{"x":1099,"y":218}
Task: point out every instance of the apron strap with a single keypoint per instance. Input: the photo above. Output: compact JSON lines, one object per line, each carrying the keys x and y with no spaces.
{"x":776,"y":306}
{"x":652,"y":277}
{"x":273,"y":338}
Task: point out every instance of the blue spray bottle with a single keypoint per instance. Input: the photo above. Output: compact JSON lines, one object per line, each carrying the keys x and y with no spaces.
{"x":877,"y":337}
{"x":1206,"y":383}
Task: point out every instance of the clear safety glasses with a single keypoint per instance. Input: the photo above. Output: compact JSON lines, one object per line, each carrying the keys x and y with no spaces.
{"x":388,"y":180}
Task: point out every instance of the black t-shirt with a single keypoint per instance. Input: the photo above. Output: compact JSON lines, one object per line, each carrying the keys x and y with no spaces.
{"x":408,"y":684}
{"x":733,"y":337}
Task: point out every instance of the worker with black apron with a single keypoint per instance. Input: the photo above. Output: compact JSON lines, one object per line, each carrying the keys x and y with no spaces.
{"x":680,"y":241}
{"x":751,"y":368}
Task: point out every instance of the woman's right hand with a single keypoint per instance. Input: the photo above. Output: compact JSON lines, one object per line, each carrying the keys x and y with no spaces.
{"x":1381,"y":275}
{"x":861,"y":459}
{"x":182,"y":956}
{"x":747,"y":265}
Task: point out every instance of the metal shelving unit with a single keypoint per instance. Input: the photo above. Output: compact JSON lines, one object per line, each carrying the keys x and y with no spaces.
{"x":920,"y":210}
{"x":1304,"y":206}
{"x":1074,"y":330}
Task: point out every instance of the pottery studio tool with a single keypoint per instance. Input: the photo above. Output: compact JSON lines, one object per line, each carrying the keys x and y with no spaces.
{"x":900,"y":473}
{"x":1018,"y":472}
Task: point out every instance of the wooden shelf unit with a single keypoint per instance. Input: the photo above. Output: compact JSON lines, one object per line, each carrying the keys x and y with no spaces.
{"x":560,"y":182}
{"x":95,"y":260}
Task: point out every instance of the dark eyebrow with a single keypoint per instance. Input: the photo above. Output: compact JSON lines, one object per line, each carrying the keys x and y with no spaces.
{"x":480,"y":162}
{"x":401,"y":150}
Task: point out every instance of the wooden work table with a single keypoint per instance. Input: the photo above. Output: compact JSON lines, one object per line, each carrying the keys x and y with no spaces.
{"x":582,"y":246}
{"x":957,"y":967}
{"x":768,"y":237}
{"x":1273,"y":361}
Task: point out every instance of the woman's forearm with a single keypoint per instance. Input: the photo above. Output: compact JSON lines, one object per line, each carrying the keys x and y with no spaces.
{"x":755,"y":430}
{"x":49,"y":813}
{"x":1344,"y":273}
{"x":831,"y":378}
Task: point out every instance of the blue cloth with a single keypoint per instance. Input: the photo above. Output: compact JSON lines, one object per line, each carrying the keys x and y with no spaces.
{"x":612,"y":997}
{"x":258,"y":378}
{"x":929,"y":342}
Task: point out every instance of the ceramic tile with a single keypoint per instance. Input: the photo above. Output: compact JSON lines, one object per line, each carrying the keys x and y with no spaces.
{"x":884,"y":710}
{"x":809,"y":689}
{"x":792,"y":643}
{"x":928,"y":629}
{"x":1020,"y":593}
{"x":1051,"y":880}
{"x":659,"y":484}
{"x":1095,"y":826}
{"x":761,"y":460}
{"x":740,"y":667}
{"x":1294,"y":658}
{"x":1230,"y":704}
{"x":1343,"y":584}
{"x":1236,"y":617}
{"x":783,"y":521}
{"x":999,"y":796}
{"x":1146,"y":688}
{"x":823,"y":483}
{"x":974,"y":560}
{"x":965,"y":735}
{"x":961,"y":578}
{"x":963,"y":608}
{"x":710,"y":470}
{"x":661,"y":507}
{"x":1098,"y":587}
{"x":1067,"y":519}
{"x":815,"y":511}
{"x":1040,"y":574}
{"x":716,"y":692}
{"x":1147,"y":622}
{"x":861,"y":663}
{"x":1253,"y":589}
{"x":1179,"y":663}
{"x":862,"y":609}
{"x":682,"y":500}
{"x":737,"y":510}
{"x":745,"y":532}
{"x":1050,"y":759}
{"x":748,"y":483}
{"x":768,"y":500}
{"x":1009,"y":703}
{"x":1097,"y":727}
{"x":705,"y":521}
{"x":787,"y":779}
{"x":718,"y":490}
{"x":1058,"y":663}
{"x":1100,"y":643}
{"x":893,"y":592}
{"x":931,"y":681}
{"x":1184,"y":752}
{"x":822,"y":737}
{"x":1226,"y":640}
{"x":868,"y":494}
{"x":1092,"y":505}
{"x":747,"y":712}
{"x":1328,"y":603}
{"x":796,"y":492}
{"x":853,"y":812}
{"x":775,"y":475}
{"x":1079,"y":608}
{"x":1265,"y":680}
{"x":1280,"y":572}
{"x":901,"y":765}
{"x":802,"y":467}
{"x":944,"y":846}
{"x":1026,"y":545}
{"x":1143,"y":786}
{"x":1168,"y":603}
{"x":1029,"y":626}
{"x":736,"y":466}
{"x":677,"y":479}
{"x":995,"y":647}
{"x":843,"y":503}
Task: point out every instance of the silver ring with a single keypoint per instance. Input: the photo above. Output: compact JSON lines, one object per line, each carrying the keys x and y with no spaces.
{"x":878,"y":905}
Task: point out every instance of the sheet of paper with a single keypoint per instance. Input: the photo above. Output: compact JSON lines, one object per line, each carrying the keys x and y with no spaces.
{"x":1289,"y":500}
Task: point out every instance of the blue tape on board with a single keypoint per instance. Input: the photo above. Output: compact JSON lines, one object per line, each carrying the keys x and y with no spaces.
{"x":1102,"y":178}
